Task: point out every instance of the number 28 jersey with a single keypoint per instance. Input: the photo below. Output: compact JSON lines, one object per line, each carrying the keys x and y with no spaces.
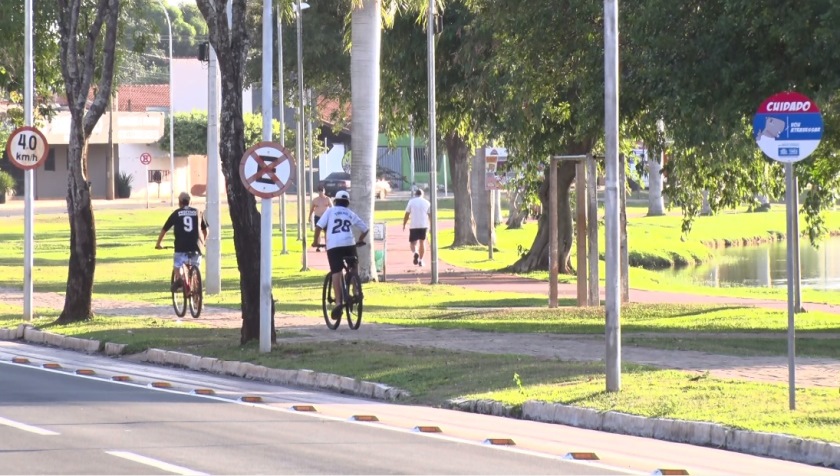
{"x":187,"y":222}
{"x":337,"y":223}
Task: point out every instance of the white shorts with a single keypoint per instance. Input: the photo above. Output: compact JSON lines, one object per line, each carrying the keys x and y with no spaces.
{"x":192,"y":258}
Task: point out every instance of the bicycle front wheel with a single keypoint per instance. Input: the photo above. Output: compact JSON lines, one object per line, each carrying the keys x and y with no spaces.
{"x":179,"y":297}
{"x":196,"y":300}
{"x":328,"y":302}
{"x":355,"y":301}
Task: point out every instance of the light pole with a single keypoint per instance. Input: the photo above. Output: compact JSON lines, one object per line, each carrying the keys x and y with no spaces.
{"x":281,"y":102}
{"x":301,"y":182}
{"x":430,"y":38}
{"x":171,"y":115}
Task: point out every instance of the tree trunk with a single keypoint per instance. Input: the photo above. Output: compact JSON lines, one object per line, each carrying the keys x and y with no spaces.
{"x":81,"y":59}
{"x":231,"y":47}
{"x":656,"y":204}
{"x":516,"y":216}
{"x":537,"y":256}
{"x":459,"y":161}
{"x":366,"y":26}
{"x":82,"y":265}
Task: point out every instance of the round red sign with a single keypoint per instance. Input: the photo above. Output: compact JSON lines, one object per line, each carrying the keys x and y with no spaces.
{"x":145,"y":158}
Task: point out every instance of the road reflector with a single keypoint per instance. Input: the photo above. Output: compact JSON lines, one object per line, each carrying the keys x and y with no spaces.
{"x":85,"y":372}
{"x":584,"y":456}
{"x":428,"y":429}
{"x":52,"y":365}
{"x":20,"y":360}
{"x":161,"y":384}
{"x":669,"y":471}
{"x":364,"y":418}
{"x":204,"y":391}
{"x":303,"y":408}
{"x":251,"y":399}
{"x":499,"y":442}
{"x":120,"y":378}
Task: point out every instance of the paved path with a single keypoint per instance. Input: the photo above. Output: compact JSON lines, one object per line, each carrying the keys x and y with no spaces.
{"x":810,"y":372}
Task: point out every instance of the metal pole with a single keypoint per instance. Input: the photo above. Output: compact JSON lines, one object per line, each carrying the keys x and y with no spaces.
{"x":443,"y":166}
{"x":29,"y":175}
{"x":310,"y":138}
{"x":592,"y":231}
{"x":281,"y":103}
{"x":625,"y":253}
{"x":411,"y":149}
{"x":430,"y":40}
{"x":553,"y":268}
{"x":612,"y":238}
{"x":580,"y":226}
{"x":301,"y":161}
{"x":491,"y":228}
{"x":265,"y":209}
{"x":171,"y":116}
{"x":797,"y":263}
{"x":791,"y":286}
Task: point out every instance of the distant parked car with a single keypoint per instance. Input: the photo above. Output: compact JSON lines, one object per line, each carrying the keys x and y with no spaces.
{"x":334,"y":182}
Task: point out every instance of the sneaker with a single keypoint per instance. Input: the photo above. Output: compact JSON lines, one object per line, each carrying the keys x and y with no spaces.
{"x":176,"y":286}
{"x":336,"y":312}
{"x":416,"y":258}
{"x":420,"y":263}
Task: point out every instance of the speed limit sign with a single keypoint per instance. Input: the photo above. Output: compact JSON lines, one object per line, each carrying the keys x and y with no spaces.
{"x":27,"y":148}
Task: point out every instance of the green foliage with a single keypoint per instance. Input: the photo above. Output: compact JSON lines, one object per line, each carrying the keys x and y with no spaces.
{"x":123,"y":185}
{"x":191,"y":132}
{"x":7,"y":182}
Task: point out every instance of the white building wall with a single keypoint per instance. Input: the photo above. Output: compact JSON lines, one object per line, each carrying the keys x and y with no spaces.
{"x":190,"y":85}
{"x":129,"y":162}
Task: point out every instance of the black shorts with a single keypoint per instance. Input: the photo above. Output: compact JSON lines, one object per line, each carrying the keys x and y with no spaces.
{"x":415,"y":234}
{"x":317,"y":217}
{"x":336,"y":257}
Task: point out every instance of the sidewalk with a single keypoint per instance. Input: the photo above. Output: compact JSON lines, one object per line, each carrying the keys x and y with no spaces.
{"x":811,"y":372}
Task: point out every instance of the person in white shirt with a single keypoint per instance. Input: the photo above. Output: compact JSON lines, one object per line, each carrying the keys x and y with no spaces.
{"x":419,"y":212}
{"x":337,"y":223}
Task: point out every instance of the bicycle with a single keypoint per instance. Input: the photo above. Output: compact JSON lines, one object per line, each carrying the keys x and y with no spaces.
{"x":191,"y":292}
{"x":352,"y":296}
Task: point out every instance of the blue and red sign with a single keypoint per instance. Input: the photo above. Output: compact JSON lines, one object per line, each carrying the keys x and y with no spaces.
{"x":788,"y":127}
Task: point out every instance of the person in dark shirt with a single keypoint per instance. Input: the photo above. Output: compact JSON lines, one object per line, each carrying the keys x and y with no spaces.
{"x":187,"y":222}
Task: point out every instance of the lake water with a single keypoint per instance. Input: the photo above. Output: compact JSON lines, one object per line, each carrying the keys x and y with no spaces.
{"x":766,"y":266}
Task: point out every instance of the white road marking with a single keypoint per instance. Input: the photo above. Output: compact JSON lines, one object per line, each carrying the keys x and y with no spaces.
{"x":25,"y":427}
{"x":172,"y":468}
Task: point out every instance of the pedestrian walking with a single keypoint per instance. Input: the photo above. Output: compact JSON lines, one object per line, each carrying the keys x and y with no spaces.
{"x":319,"y":206}
{"x":418,"y":212}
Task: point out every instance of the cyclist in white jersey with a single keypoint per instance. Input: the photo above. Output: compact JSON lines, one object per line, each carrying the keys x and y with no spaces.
{"x":337,"y":223}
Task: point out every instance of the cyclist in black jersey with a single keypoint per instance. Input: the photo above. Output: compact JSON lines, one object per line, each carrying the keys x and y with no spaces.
{"x":187,"y":222}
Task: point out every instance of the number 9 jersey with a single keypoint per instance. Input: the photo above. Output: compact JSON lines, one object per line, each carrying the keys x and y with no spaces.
{"x":337,"y":223}
{"x":187,"y":222}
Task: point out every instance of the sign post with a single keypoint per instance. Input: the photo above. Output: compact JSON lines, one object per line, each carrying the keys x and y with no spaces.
{"x":146,"y":159}
{"x":788,"y":127}
{"x":27,"y":148}
{"x":266,"y":169}
{"x":494,"y":158}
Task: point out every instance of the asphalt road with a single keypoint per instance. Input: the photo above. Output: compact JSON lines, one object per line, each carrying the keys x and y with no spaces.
{"x":88,"y":426}
{"x":92,"y":416}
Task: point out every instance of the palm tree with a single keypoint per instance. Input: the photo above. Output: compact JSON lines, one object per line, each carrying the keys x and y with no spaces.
{"x":366,"y":34}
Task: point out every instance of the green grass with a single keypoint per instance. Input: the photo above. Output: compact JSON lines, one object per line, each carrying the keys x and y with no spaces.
{"x":130,"y":269}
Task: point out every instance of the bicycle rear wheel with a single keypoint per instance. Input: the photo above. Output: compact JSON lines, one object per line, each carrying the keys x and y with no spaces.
{"x":179,"y":297}
{"x":196,"y":300}
{"x":355,"y":301}
{"x":328,"y":302}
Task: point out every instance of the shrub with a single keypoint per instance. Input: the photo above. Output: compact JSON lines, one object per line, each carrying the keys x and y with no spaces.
{"x":123,"y":185}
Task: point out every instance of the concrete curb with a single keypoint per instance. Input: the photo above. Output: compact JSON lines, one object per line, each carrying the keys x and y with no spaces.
{"x":303,"y":377}
{"x":713,"y":435}
{"x":784,"y":447}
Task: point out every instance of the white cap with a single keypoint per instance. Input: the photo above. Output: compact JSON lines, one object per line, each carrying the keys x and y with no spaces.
{"x":342,"y":195}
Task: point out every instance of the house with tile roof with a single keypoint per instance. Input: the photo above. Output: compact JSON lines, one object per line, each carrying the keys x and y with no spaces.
{"x":137,"y":126}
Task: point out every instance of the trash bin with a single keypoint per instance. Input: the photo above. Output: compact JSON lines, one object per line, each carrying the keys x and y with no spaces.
{"x":379,"y":259}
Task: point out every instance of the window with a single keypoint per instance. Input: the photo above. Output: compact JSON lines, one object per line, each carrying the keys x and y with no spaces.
{"x":49,"y":164}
